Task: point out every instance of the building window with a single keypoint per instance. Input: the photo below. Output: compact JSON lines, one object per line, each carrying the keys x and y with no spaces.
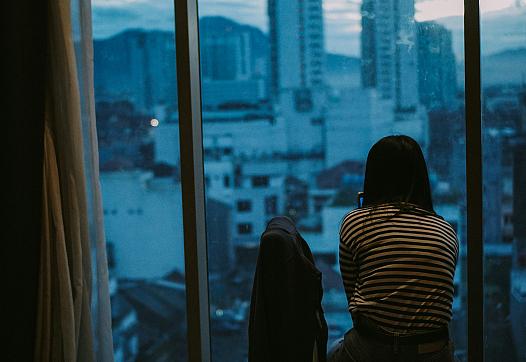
{"x":271,"y":205}
{"x":303,"y":100}
{"x":226,"y":181}
{"x":244,"y":228}
{"x":318,"y":121}
{"x":244,"y":205}
{"x":260,"y":181}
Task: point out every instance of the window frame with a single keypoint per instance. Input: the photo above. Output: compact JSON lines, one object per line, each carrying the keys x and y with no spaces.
{"x":474,"y":190}
{"x":192,"y":180}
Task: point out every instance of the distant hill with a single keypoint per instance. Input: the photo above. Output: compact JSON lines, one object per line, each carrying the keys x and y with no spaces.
{"x":342,"y":71}
{"x":138,"y":65}
{"x":220,"y":24}
{"x":500,"y":30}
{"x":505,"y":67}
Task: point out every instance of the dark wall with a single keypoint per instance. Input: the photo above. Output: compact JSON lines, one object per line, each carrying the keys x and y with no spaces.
{"x":23,"y":54}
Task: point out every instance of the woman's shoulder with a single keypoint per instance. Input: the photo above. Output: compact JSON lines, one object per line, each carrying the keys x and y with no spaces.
{"x":388,"y":210}
{"x":368,"y":213}
{"x":441,"y":222}
{"x":357,"y":220}
{"x":437,"y":220}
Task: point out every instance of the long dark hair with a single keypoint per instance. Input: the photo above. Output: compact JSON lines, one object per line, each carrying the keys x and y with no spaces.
{"x":396,"y":172}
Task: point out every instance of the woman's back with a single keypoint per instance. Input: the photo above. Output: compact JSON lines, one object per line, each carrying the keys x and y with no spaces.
{"x":398,"y":266}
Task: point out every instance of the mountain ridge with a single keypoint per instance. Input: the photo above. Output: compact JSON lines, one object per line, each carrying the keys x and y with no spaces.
{"x":500,"y":30}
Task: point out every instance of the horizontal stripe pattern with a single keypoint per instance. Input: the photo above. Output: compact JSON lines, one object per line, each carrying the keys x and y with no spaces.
{"x":398,"y":267}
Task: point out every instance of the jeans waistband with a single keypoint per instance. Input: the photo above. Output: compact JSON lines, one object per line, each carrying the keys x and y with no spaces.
{"x":368,"y":328}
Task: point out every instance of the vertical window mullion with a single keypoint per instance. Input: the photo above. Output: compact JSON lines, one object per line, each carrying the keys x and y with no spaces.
{"x":474,"y":181}
{"x":192,"y":179}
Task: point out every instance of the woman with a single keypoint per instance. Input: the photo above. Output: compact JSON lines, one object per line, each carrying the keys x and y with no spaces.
{"x":397,"y":259}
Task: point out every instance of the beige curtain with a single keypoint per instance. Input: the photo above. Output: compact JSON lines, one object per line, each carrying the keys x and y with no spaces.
{"x":65,"y":318}
{"x":101,"y":310}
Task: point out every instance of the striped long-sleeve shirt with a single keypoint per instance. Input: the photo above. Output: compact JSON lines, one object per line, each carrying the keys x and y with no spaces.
{"x":398,"y":266}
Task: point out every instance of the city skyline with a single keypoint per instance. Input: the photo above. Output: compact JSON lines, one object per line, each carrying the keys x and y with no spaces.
{"x":342,"y":17}
{"x":296,"y":149}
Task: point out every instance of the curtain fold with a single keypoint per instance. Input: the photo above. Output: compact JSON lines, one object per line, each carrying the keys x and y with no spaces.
{"x":101,"y":315}
{"x":64,"y":317}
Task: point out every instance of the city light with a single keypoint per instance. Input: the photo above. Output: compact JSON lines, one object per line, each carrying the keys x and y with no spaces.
{"x":154,"y":122}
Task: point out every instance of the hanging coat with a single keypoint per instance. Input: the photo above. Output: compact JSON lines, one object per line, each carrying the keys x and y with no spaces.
{"x":286,"y":317}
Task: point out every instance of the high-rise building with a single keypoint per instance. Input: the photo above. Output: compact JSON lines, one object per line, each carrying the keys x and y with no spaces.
{"x":519,"y":180}
{"x":522,"y":108}
{"x":231,"y":51}
{"x":518,"y":273}
{"x":231,"y":57}
{"x":226,"y":56}
{"x":493,"y":179}
{"x":136,"y":66}
{"x":389,"y":64}
{"x":519,"y":197}
{"x":389,"y":51}
{"x":296,"y":44}
{"x":368,"y":45}
{"x":437,"y":76}
{"x":296,"y":73}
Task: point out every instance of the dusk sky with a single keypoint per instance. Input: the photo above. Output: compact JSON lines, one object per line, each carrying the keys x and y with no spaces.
{"x":342,"y":17}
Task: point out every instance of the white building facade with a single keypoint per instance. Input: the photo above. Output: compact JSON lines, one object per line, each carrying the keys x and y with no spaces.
{"x":297,"y":59}
{"x":143,"y":221}
{"x":390,"y":63}
{"x":393,"y":32}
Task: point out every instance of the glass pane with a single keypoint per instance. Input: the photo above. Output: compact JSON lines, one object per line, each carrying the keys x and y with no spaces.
{"x":137,"y":125}
{"x":503,"y":61}
{"x":295,"y":92}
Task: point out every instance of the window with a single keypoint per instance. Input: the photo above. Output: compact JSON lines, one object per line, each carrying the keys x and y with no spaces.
{"x":318,"y":121}
{"x":271,"y":205}
{"x":244,"y":228}
{"x":260,"y":181}
{"x":136,"y":110}
{"x":404,"y":84}
{"x":303,"y":100}
{"x":503,"y":71}
{"x":325,"y":124}
{"x":244,"y":205}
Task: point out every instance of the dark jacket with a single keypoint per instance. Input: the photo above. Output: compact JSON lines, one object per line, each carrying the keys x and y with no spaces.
{"x":286,"y":317}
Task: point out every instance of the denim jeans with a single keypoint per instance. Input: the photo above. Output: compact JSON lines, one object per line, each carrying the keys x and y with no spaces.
{"x":356,"y":348}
